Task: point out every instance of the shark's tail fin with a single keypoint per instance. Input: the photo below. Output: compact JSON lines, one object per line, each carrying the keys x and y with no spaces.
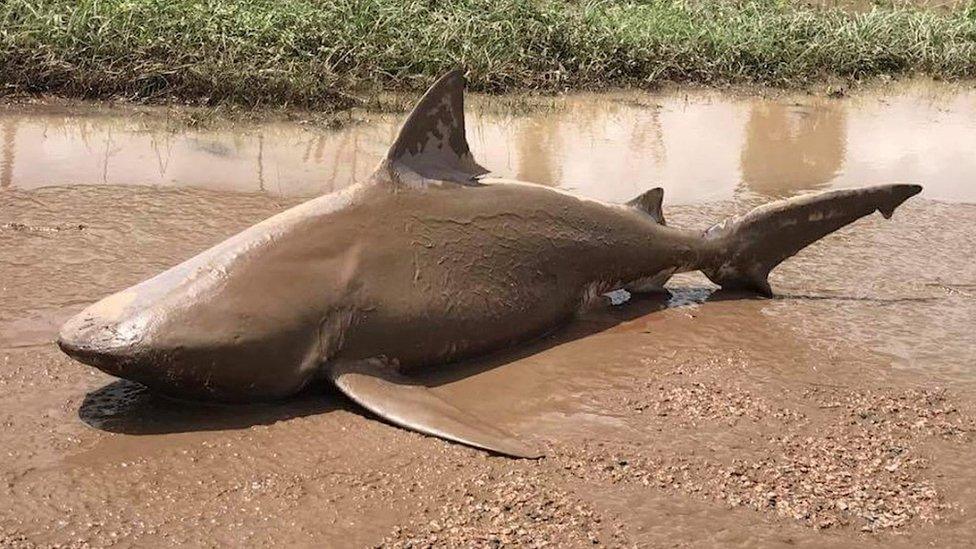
{"x":746,"y":248}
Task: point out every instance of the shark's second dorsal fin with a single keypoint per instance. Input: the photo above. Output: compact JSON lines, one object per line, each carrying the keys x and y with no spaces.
{"x":650,"y":203}
{"x":431,"y":145}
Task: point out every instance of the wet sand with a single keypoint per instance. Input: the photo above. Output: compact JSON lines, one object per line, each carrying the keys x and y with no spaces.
{"x":840,"y":412}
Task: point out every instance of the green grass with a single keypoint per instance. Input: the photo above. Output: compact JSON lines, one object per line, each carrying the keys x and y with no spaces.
{"x":313,"y":53}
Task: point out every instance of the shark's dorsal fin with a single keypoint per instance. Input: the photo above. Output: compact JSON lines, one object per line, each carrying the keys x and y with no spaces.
{"x":650,"y":203}
{"x":431,"y":145}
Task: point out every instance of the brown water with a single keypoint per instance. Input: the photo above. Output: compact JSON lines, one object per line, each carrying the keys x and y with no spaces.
{"x":846,"y":401}
{"x":697,"y":145}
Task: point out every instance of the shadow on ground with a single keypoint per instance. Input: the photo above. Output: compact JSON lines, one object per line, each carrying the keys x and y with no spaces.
{"x":125,"y":406}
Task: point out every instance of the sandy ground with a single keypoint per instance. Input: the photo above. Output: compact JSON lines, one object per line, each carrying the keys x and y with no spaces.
{"x":840,"y":412}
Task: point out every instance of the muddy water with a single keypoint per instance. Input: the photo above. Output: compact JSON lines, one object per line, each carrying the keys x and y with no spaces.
{"x":697,"y":145}
{"x":840,"y":411}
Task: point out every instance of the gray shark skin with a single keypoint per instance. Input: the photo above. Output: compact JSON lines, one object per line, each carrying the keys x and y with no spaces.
{"x":427,"y":262}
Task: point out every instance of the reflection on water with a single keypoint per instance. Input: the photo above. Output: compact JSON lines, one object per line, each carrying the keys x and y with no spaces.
{"x":533,"y":140}
{"x":698,"y":145}
{"x":7,"y":132}
{"x":791,"y":147}
{"x":282,"y":159}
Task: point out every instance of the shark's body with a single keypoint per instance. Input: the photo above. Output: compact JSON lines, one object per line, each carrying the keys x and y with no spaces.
{"x":425,"y":263}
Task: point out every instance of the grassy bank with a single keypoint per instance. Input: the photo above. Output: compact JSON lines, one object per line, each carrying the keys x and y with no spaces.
{"x":313,"y":52}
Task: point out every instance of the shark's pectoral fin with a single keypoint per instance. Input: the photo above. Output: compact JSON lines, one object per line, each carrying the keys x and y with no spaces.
{"x":396,"y":399}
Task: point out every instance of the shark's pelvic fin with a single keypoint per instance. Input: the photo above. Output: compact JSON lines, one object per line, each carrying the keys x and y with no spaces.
{"x":396,"y":399}
{"x":650,"y":203}
{"x":743,"y":250}
{"x":431,"y":145}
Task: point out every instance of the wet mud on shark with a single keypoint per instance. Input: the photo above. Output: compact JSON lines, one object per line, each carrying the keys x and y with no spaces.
{"x":839,"y":411}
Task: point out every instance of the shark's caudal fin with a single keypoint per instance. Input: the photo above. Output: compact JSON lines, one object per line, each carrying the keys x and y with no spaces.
{"x":743,"y":250}
{"x":431,"y":145}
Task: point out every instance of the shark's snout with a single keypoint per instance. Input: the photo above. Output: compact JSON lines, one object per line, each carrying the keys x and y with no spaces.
{"x":105,"y":343}
{"x":109,"y":335}
{"x":195,"y":355}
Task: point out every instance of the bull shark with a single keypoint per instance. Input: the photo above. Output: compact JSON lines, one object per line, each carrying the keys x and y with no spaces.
{"x":428,"y":261}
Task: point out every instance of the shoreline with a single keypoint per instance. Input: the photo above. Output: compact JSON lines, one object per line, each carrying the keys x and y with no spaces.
{"x":183,"y":115}
{"x":325,"y":56}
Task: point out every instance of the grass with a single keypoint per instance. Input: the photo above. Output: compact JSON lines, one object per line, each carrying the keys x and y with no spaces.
{"x":314,"y":53}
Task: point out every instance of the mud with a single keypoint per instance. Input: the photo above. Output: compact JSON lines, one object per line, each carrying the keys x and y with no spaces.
{"x":840,"y":411}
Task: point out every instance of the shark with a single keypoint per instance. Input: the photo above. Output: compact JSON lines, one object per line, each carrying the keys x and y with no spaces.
{"x":429,"y":261}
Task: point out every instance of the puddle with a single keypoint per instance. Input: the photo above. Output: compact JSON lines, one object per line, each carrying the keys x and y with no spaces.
{"x":93,"y":202}
{"x":697,"y":145}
